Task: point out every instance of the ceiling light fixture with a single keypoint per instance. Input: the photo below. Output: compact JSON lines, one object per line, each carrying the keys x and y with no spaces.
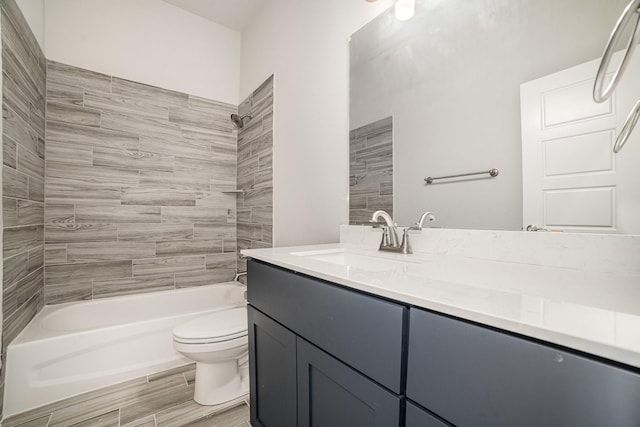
{"x":405,"y":9}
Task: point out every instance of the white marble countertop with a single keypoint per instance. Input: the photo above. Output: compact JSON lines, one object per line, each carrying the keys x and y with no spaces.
{"x":594,"y":312}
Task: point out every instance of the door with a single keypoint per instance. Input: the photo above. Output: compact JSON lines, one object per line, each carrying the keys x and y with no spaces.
{"x":572,"y":180}
{"x":272,"y":371}
{"x":418,"y":417}
{"x":331,"y":394}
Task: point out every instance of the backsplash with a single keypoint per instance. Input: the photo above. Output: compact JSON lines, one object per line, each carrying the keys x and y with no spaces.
{"x":23,"y":111}
{"x":255,"y":172}
{"x":607,"y":253}
{"x":134,"y":187}
{"x":370,"y":170}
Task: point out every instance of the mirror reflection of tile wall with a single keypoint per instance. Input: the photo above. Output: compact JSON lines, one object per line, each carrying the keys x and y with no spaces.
{"x":370,"y":170}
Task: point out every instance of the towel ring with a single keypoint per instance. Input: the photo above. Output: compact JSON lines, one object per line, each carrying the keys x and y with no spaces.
{"x":600,"y":95}
{"x":629,"y":124}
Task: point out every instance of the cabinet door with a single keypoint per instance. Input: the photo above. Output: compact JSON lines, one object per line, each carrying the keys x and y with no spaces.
{"x":272,"y":370}
{"x":330,"y":394}
{"x":418,"y":417}
{"x":473,"y":376}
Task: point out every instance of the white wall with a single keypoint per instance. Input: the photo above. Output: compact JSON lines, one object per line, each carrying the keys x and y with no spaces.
{"x":304,"y":43}
{"x":148,"y":41}
{"x":33,"y":11}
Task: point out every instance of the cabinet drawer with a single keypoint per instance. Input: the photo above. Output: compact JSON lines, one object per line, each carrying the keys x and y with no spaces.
{"x":362,"y":331}
{"x":332,"y":394}
{"x":418,"y":417}
{"x":475,"y":376}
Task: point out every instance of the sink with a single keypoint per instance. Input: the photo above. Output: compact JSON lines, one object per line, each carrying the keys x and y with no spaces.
{"x":352,"y":260}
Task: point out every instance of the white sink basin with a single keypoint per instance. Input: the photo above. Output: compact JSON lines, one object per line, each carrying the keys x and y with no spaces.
{"x":353,"y":260}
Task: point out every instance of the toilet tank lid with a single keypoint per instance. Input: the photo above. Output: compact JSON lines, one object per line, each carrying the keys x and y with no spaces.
{"x":218,"y":324}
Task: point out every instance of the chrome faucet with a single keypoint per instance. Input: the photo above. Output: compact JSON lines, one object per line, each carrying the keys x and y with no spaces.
{"x":389,"y":230}
{"x":389,"y":240}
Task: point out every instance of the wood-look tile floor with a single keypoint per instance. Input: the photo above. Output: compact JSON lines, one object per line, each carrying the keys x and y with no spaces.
{"x":164,"y":399}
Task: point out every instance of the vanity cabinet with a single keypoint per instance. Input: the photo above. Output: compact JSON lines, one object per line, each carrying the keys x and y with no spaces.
{"x":346,"y":350}
{"x":418,"y":417}
{"x":331,"y":393}
{"x":326,"y":356}
{"x":474,"y":376}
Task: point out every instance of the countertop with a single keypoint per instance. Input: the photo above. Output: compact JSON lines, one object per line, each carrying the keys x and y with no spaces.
{"x":594,"y":312}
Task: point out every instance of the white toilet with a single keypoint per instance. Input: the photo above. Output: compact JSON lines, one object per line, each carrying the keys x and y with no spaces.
{"x":216,"y":342}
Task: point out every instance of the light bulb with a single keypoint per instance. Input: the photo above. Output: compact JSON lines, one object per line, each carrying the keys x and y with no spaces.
{"x":405,"y":9}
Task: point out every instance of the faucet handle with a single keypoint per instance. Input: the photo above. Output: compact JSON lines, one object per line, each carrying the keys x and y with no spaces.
{"x":419,"y":224}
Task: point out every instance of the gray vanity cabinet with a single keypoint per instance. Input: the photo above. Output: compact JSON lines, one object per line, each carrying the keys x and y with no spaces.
{"x":474,"y":376}
{"x":326,"y":356}
{"x":418,"y":417}
{"x":346,"y":350}
{"x":332,"y":394}
{"x":272,"y":372}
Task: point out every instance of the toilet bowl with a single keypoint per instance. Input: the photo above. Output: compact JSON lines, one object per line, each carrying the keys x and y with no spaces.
{"x":216,"y":342}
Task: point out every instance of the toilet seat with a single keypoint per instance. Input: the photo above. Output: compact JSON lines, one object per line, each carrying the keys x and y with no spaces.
{"x":220,"y":326}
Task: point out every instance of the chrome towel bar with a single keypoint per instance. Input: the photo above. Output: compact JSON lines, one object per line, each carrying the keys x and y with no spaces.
{"x":492,"y":172}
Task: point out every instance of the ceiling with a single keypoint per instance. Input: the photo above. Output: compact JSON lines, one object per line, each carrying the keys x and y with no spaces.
{"x":234,"y":14}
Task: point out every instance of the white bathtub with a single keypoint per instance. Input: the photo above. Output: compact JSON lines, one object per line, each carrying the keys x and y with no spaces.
{"x":72,"y":348}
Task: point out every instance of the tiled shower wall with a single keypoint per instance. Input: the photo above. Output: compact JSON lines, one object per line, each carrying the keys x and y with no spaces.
{"x":135,"y":180}
{"x":370,"y":170}
{"x":255,"y":171}
{"x":23,"y":110}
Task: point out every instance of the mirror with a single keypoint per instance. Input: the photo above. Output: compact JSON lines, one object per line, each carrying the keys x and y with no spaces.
{"x":443,"y":89}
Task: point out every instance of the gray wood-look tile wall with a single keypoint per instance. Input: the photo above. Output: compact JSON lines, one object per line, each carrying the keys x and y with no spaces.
{"x":255,"y":171}
{"x":370,"y":170}
{"x":134,"y":185}
{"x":23,"y":135}
{"x":127,"y":195}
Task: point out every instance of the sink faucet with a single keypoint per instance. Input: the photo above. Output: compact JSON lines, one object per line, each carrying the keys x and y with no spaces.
{"x":389,"y":240}
{"x":389,"y":233}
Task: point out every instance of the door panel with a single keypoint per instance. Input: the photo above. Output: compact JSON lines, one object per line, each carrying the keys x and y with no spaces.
{"x":330,"y":394}
{"x":272,"y":370}
{"x":565,"y":208}
{"x":418,"y":417}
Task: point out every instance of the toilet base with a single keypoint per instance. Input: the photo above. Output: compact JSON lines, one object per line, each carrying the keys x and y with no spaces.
{"x":218,"y":383}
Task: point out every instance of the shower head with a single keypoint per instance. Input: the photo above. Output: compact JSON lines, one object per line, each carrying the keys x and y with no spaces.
{"x":238,"y":121}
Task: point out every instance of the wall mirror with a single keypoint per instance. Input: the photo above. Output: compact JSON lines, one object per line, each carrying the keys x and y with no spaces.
{"x":473,"y":85}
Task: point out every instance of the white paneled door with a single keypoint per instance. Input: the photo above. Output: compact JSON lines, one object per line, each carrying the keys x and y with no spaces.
{"x":572,"y":180}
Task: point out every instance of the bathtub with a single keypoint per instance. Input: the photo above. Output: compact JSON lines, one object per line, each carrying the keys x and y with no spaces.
{"x":72,"y":348}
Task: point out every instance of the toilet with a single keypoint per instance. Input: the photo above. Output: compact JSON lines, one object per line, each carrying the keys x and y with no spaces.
{"x":216,"y":342}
